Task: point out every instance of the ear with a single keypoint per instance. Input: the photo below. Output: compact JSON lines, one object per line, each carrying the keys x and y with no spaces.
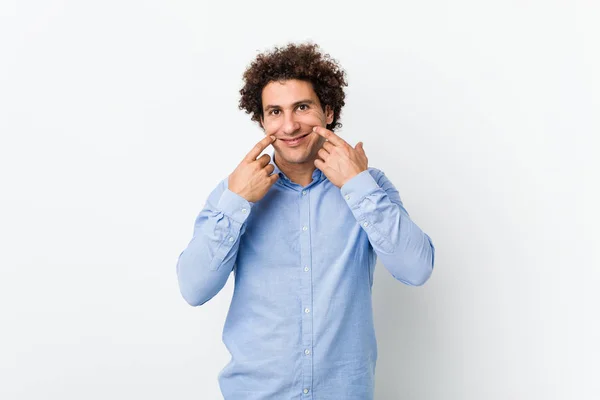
{"x":328,"y":115}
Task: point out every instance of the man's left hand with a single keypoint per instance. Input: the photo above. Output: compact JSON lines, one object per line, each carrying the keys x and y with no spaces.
{"x":339,"y":161}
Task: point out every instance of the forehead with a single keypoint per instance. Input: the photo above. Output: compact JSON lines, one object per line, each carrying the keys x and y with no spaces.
{"x":286,"y":93}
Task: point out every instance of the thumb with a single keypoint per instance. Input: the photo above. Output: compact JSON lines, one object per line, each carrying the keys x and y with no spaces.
{"x":359,"y":147}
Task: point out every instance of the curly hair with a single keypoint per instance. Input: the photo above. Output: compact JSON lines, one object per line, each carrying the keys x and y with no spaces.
{"x":295,"y":61}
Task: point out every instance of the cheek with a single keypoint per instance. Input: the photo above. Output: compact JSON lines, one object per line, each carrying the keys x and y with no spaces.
{"x":316,"y":142}
{"x":321,"y":117}
{"x":271,"y":126}
{"x":319,"y":141}
{"x":313,"y":118}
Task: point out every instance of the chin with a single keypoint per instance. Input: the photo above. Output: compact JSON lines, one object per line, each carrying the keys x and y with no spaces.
{"x":295,"y":159}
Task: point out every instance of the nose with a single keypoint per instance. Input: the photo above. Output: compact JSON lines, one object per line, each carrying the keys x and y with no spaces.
{"x":290,"y":125}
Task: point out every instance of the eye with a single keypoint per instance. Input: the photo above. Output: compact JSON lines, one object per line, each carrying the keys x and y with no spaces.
{"x":303,"y":107}
{"x":274,"y":112}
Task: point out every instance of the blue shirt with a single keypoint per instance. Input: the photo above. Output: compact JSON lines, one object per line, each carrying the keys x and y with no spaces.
{"x":300,"y":323}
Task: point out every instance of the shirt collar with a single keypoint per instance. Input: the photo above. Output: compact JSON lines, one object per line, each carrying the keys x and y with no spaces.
{"x":317,"y":174}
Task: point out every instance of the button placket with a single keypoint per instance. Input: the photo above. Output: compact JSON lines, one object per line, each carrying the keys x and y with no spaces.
{"x":306,"y":293}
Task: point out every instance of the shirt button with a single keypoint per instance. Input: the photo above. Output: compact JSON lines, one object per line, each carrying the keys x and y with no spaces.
{"x":365,"y":224}
{"x":306,"y":310}
{"x":347,"y":197}
{"x":231,"y":239}
{"x":244,"y":210}
{"x":305,"y":269}
{"x":305,"y":391}
{"x":304,"y":228}
{"x":307,"y":351}
{"x":304,"y":193}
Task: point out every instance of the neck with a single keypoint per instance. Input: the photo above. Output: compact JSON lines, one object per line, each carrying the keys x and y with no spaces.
{"x":299,"y":173}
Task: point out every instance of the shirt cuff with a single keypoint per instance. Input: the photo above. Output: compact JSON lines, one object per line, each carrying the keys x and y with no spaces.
{"x":234,"y":206}
{"x":358,"y":187}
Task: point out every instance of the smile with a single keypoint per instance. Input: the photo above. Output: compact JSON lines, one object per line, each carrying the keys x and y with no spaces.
{"x":295,"y":141}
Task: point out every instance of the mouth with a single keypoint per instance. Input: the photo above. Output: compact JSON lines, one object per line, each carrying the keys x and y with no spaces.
{"x":295,"y":141}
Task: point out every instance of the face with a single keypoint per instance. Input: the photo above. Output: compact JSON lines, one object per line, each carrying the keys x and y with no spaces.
{"x":290,"y":110}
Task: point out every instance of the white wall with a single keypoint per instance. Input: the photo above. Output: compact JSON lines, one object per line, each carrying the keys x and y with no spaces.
{"x":119,"y":117}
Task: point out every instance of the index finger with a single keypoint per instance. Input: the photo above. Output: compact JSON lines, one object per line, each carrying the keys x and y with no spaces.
{"x":259,"y":147}
{"x":329,"y":135}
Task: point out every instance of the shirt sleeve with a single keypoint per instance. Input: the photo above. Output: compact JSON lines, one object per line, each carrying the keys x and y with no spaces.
{"x":404,"y":249}
{"x":203,"y":267}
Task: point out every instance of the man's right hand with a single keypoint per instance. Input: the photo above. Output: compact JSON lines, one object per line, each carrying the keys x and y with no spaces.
{"x":252,"y":178}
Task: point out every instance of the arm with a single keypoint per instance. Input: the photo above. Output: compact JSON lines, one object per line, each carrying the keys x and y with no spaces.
{"x":404,"y":249}
{"x":204,"y":266}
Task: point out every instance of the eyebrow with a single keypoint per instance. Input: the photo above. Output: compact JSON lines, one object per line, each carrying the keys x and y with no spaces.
{"x":306,"y":101}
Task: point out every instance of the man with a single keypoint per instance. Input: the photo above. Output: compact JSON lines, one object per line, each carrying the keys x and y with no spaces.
{"x":302,"y":230}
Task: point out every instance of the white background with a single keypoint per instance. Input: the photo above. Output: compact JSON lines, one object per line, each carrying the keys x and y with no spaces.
{"x":117,"y":118}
